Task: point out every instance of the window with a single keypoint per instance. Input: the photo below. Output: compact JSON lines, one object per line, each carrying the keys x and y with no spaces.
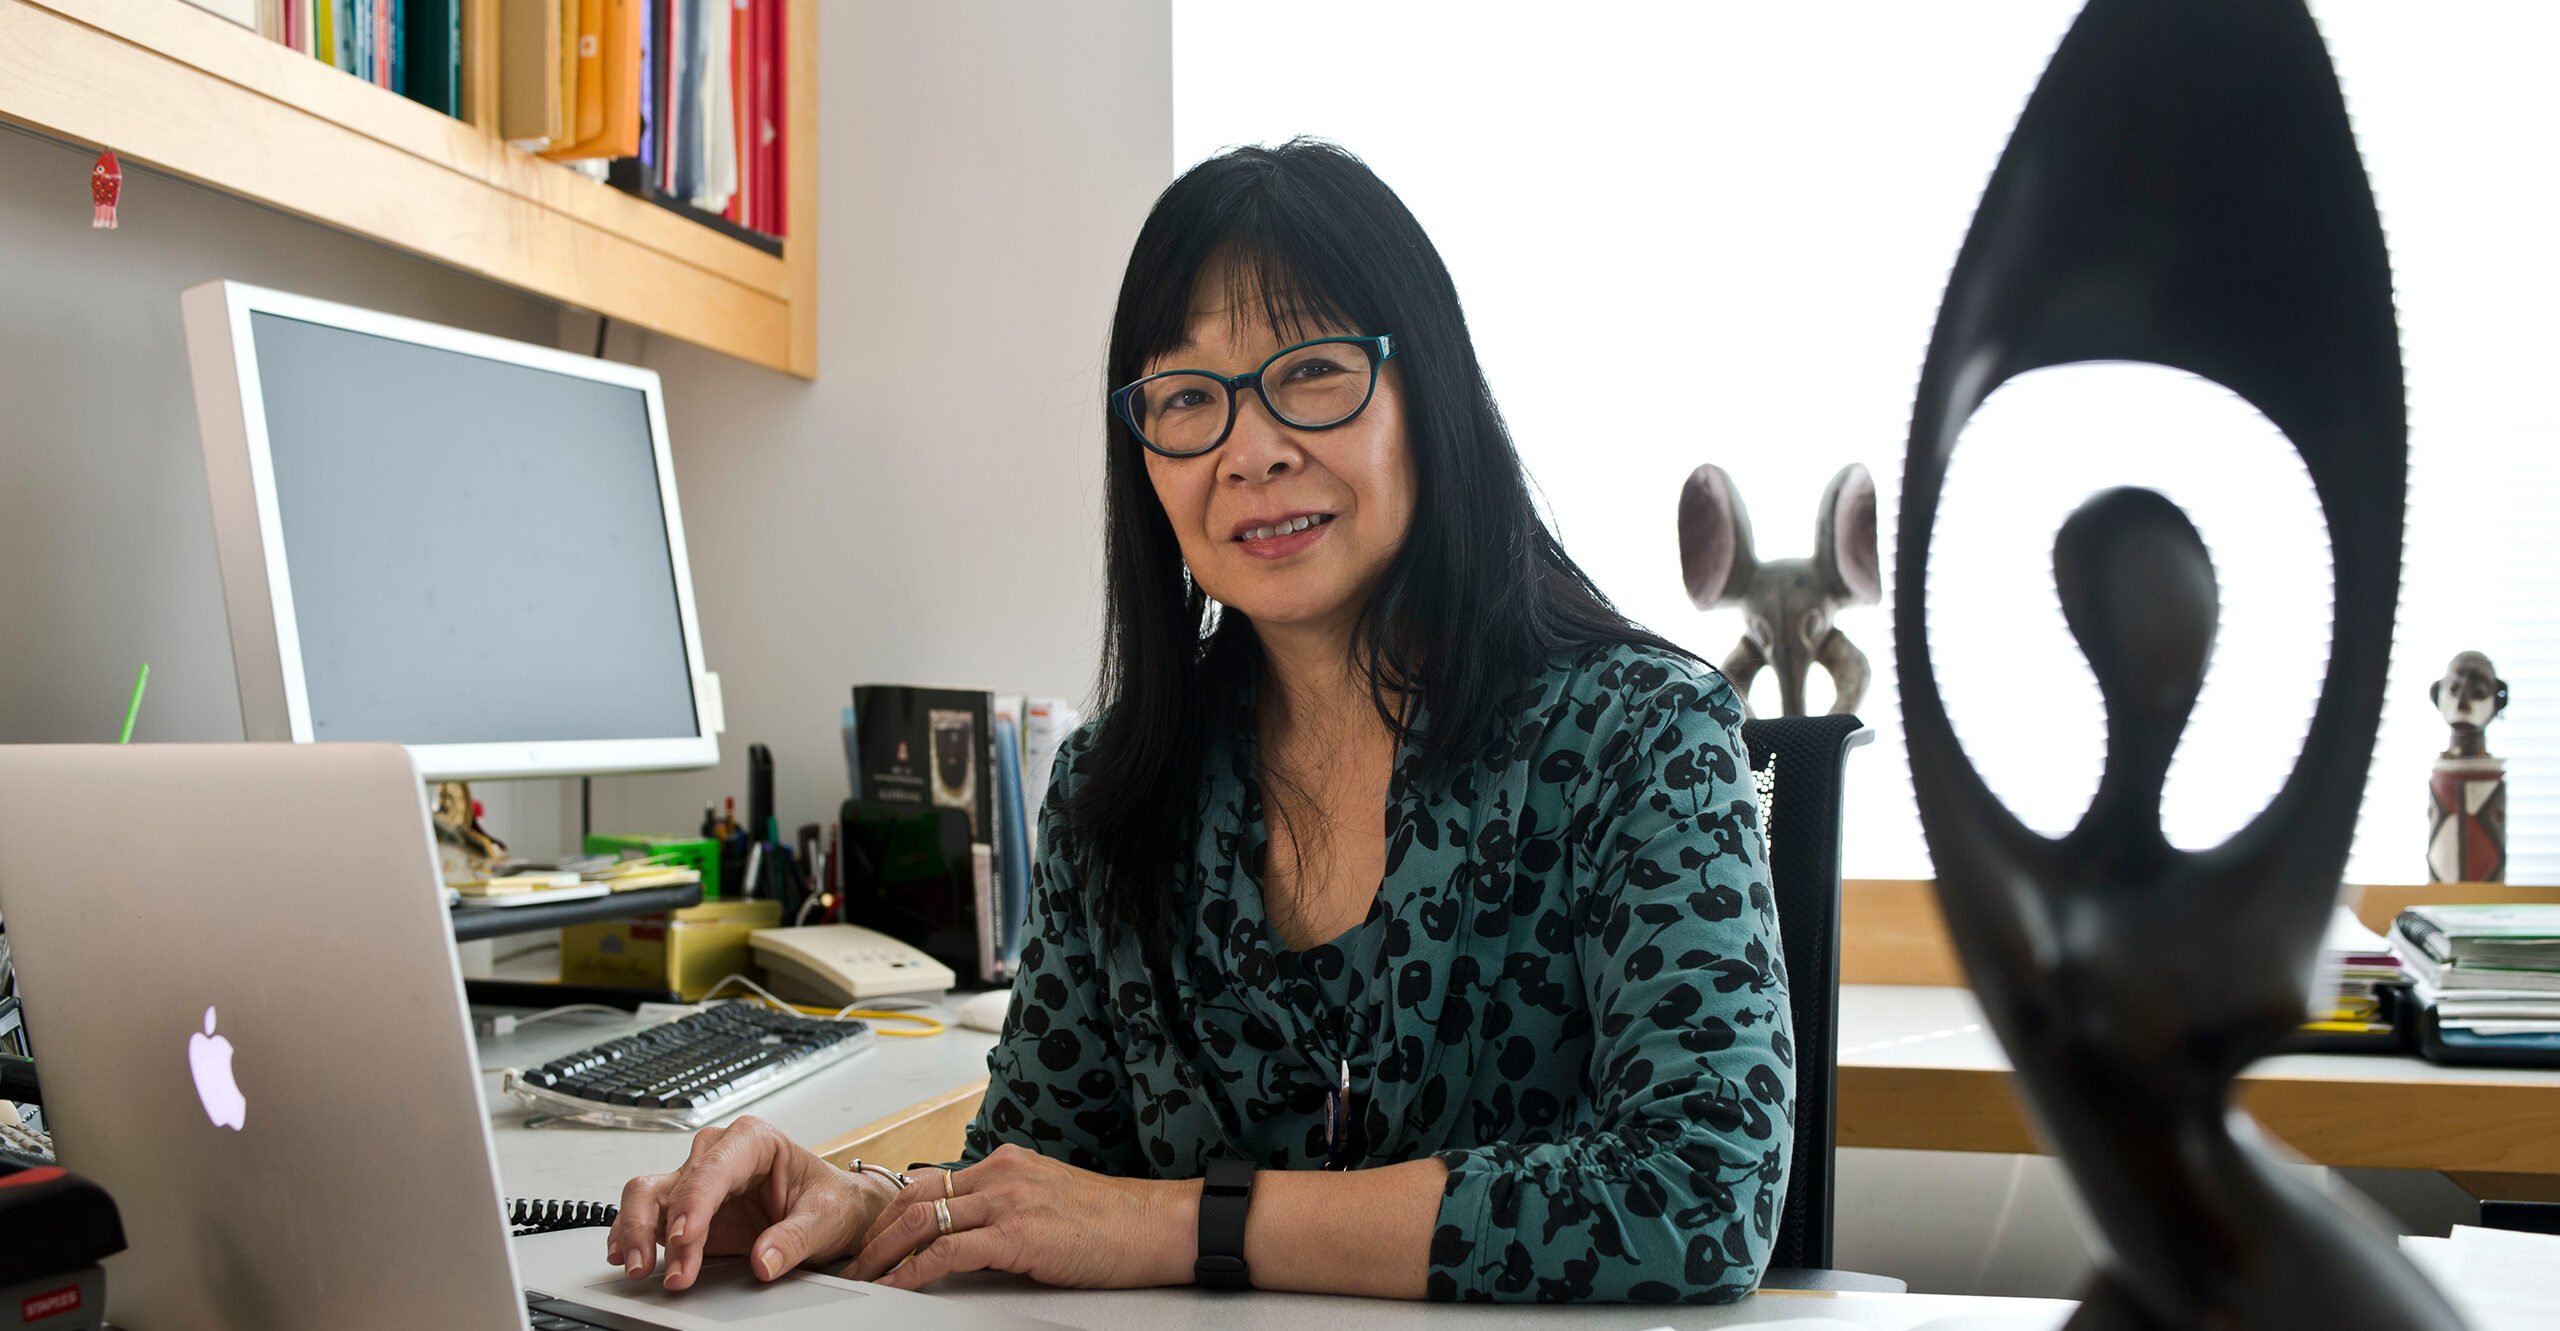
{"x":1762,"y":203}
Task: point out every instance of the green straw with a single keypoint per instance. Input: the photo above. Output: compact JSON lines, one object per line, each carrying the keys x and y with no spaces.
{"x":134,"y":708}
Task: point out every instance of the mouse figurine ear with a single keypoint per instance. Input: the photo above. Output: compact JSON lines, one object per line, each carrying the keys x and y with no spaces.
{"x":1715,"y":539}
{"x":1844,"y":538}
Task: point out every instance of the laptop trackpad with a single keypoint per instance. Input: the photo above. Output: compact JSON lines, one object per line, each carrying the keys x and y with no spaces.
{"x":727,"y":1291}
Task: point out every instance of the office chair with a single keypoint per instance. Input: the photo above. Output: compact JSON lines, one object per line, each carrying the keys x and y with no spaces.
{"x":1812,"y":753}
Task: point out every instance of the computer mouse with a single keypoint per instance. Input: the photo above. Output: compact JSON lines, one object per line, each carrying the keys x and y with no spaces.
{"x":985,"y":1012}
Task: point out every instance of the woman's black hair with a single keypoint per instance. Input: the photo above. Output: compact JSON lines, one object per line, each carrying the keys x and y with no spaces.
{"x":1476,"y":602}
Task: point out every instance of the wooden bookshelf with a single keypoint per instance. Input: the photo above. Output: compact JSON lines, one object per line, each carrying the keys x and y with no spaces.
{"x":168,"y":85}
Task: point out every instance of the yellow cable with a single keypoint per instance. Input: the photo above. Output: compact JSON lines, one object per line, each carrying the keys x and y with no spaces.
{"x":931,"y":1025}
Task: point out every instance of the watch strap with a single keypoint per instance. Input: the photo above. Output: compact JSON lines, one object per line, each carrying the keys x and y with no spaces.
{"x":1226,"y":1193}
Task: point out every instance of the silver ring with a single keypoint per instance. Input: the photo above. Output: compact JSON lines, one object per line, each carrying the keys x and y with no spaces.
{"x":942,"y":1214}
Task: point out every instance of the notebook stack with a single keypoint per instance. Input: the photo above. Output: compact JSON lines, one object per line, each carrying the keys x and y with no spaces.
{"x":2486,"y":980}
{"x":2361,"y":989}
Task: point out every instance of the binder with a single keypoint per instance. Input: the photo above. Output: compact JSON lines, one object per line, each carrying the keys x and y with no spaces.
{"x":608,"y":83}
{"x":590,"y":75}
{"x":529,"y":72}
{"x":431,"y":54}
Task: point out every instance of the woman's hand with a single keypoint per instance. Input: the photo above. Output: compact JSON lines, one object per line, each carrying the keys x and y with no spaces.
{"x":1019,"y":1211}
{"x":745,"y":1188}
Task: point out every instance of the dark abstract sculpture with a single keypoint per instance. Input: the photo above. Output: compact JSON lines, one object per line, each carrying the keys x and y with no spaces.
{"x":2467,"y":792}
{"x":1787,"y":604}
{"x":2182,"y":189}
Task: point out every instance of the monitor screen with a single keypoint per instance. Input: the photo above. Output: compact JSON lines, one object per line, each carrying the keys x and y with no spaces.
{"x":477,"y":550}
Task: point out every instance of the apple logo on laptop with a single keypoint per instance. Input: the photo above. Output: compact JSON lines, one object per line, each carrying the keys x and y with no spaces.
{"x":209,"y":1056}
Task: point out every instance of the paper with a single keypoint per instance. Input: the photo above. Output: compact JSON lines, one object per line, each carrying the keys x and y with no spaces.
{"x":2499,"y":1280}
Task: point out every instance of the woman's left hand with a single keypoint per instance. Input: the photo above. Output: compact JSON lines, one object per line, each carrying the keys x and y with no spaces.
{"x":1020,"y":1211}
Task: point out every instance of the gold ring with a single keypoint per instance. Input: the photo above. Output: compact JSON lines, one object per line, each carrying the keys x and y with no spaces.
{"x":948,"y":1189}
{"x":942,"y":1214}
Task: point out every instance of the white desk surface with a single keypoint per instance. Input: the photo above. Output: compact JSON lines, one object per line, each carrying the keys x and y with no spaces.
{"x":591,"y":1164}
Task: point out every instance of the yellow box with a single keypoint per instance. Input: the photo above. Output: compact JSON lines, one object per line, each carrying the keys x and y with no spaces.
{"x":687,"y":951}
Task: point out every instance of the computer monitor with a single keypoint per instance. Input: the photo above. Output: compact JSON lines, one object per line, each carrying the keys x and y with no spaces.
{"x":458,"y":543}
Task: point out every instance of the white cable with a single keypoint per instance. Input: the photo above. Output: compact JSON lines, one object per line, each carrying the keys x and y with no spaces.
{"x":761,"y":991}
{"x":505,"y":1024}
{"x":605,"y":1008}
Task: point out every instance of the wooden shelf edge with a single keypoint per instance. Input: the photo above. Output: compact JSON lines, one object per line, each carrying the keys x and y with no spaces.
{"x":800,"y":183}
{"x":249,"y":117}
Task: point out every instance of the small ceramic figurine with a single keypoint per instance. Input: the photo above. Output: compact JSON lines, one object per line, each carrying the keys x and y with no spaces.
{"x":1787,"y":604}
{"x":2467,"y":795}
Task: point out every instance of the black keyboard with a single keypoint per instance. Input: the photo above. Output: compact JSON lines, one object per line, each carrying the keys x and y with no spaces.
{"x":550,"y":1314}
{"x":690,"y":1071}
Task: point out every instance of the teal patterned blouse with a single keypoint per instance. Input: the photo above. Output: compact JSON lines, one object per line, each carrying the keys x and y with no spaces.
{"x":1569,"y":990}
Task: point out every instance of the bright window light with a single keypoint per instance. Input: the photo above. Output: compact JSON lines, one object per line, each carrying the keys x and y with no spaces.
{"x":1760,"y":204}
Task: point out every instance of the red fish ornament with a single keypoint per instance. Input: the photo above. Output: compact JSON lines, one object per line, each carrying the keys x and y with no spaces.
{"x":106,"y":180}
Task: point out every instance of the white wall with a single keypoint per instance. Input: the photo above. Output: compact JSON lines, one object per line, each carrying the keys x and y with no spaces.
{"x":929,"y":510}
{"x":106,"y":537}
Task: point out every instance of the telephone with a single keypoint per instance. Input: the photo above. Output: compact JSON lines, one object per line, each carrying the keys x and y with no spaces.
{"x":844,"y":963}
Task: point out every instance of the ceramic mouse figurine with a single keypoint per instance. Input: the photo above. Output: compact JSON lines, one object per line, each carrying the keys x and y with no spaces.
{"x":1787,"y":604}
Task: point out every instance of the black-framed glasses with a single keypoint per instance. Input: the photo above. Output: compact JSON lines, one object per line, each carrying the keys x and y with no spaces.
{"x":1314,"y":385}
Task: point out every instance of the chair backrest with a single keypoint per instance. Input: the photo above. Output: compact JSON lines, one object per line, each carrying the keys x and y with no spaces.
{"x":1812,"y":753}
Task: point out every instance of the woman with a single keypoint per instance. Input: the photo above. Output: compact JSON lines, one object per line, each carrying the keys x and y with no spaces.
{"x":1398,"y":862}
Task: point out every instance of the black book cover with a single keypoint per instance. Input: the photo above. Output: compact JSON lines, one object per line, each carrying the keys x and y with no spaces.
{"x":933,"y":748}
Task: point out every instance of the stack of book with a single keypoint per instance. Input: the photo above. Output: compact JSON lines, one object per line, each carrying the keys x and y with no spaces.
{"x":985,"y":758}
{"x":2354,"y":1005}
{"x":2487,"y":979}
{"x":680,"y":101}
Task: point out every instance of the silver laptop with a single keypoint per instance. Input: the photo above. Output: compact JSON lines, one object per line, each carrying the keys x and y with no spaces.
{"x":240,"y":983}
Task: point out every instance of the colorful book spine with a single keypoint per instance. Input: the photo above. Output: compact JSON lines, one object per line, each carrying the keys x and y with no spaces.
{"x":648,"y":150}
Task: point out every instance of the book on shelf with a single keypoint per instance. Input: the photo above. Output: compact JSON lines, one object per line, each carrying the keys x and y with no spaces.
{"x":608,"y":77}
{"x":529,"y":72}
{"x":688,"y":100}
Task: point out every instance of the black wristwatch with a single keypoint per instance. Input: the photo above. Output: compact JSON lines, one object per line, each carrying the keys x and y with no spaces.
{"x":1226,"y":1193}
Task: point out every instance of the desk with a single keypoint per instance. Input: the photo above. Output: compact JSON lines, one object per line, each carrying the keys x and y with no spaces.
{"x":902,"y":1082}
{"x":1919,"y":1070}
{"x":846,"y":1110}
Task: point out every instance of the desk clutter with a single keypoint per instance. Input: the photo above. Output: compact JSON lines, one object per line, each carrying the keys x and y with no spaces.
{"x":2484,"y":981}
{"x":2356,"y":1009}
{"x":572,"y":880}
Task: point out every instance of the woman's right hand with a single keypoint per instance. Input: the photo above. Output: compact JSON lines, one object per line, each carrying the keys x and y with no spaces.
{"x":745,"y":1188}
